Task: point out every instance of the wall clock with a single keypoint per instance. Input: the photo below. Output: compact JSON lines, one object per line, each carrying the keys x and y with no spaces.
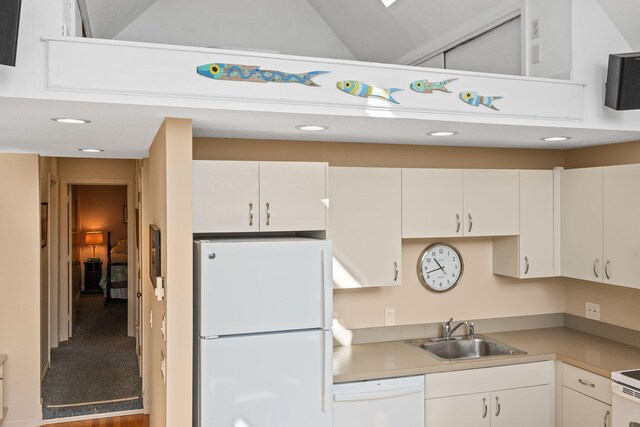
{"x":440,"y":267}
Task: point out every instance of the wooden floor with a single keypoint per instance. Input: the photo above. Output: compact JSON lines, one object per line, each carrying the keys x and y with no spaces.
{"x":130,"y":421}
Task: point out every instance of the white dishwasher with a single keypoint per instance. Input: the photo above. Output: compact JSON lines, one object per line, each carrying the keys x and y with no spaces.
{"x":395,"y":402}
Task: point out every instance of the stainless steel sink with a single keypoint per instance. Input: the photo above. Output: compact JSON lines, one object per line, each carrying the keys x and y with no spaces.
{"x":465,"y":348}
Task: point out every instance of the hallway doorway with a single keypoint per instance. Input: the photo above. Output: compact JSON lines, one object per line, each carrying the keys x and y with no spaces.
{"x":95,"y":370}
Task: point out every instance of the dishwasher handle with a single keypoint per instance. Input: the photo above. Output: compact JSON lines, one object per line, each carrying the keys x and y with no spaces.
{"x":352,"y":397}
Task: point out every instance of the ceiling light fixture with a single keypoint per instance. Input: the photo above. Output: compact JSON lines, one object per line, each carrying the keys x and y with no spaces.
{"x":442,"y":133}
{"x":91,"y":150}
{"x":71,"y":121}
{"x":388,"y":3}
{"x":555,"y":138}
{"x":311,"y":127}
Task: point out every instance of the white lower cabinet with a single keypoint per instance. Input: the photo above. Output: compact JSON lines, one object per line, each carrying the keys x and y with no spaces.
{"x":586,"y":398}
{"x":505,"y":396}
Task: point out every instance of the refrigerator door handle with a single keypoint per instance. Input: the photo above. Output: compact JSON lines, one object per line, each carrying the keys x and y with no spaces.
{"x":327,"y":372}
{"x":327,"y":287}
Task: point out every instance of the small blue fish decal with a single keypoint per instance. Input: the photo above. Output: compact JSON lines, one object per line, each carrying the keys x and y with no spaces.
{"x":252,"y":73}
{"x":362,"y":89}
{"x":425,"y":86}
{"x":472,"y":98}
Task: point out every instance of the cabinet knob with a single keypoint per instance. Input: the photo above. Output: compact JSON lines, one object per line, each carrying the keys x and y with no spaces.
{"x":457,"y":223}
{"x":268,"y":214}
{"x":606,"y":418}
{"x":485,"y":408}
{"x":606,"y":269}
{"x":526,"y":265}
{"x":470,"y":223}
{"x":497,"y":406}
{"x":395,"y":271}
{"x":595,"y":267}
{"x":250,"y":214}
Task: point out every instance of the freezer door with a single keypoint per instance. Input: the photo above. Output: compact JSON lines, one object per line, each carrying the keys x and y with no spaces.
{"x":268,"y":380}
{"x":264,"y":286}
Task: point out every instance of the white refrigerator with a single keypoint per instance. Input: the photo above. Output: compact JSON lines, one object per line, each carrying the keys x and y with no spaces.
{"x":264,"y":346}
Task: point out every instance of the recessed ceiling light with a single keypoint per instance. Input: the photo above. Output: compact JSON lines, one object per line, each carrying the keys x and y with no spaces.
{"x":442,"y":133}
{"x":91,"y":150}
{"x":555,"y":138}
{"x":388,"y":3}
{"x":71,"y":121}
{"x":311,"y":127}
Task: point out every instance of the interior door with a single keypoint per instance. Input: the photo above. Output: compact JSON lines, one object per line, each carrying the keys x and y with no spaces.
{"x":75,"y":266}
{"x":138,"y":255}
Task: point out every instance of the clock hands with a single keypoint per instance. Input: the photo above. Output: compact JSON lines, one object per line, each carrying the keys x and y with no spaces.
{"x":439,"y":268}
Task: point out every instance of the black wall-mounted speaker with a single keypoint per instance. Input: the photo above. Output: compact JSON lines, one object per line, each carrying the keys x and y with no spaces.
{"x":9,"y":22}
{"x":623,"y":82}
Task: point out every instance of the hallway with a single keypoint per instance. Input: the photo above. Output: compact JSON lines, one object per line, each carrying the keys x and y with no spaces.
{"x":96,"y":371}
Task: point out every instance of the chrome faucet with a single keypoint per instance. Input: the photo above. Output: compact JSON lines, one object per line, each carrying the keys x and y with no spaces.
{"x":447,"y":330}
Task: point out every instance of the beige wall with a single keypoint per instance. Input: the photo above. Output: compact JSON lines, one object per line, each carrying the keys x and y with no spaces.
{"x":20,"y":287}
{"x":169,"y":192}
{"x":480,"y":294}
{"x":618,"y":305}
{"x":100,"y":207}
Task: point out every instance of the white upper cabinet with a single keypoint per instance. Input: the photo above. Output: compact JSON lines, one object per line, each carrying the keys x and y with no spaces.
{"x":491,"y":202}
{"x":622,"y":225}
{"x":582,"y":223}
{"x":293,"y":196}
{"x":226,"y":196}
{"x":532,"y":253}
{"x":457,"y":202}
{"x":239,"y":196}
{"x":365,"y":226}
{"x":432,"y":203}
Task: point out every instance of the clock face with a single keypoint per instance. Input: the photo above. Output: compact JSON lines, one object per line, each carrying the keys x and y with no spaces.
{"x":440,"y":267}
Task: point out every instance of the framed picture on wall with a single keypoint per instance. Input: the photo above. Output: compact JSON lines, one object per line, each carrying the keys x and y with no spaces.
{"x":44,"y":220}
{"x":155,"y":260}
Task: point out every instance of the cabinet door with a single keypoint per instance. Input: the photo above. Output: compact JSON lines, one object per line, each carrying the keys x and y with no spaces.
{"x":536,"y":223}
{"x":491,"y":202}
{"x":522,"y":407}
{"x":293,"y":196}
{"x":470,"y":410}
{"x":579,"y":410}
{"x":365,"y":226}
{"x":622,"y":225}
{"x":582,"y":223}
{"x":431,"y":203}
{"x":224,"y":196}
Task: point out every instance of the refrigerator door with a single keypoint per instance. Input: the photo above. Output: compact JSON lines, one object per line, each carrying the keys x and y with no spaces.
{"x":267,"y":285}
{"x":267,"y":380}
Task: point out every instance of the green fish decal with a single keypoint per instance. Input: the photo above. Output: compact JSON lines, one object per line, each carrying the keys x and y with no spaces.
{"x":362,"y":89}
{"x":472,"y":98}
{"x":425,"y":86}
{"x":251,"y":73}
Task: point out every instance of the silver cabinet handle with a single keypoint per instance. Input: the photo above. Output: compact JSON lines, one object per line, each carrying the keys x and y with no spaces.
{"x":250,"y":214}
{"x":485,"y":408}
{"x":595,"y":264}
{"x":526,"y":265}
{"x":606,"y":268}
{"x":606,"y":418}
{"x":457,"y":223}
{"x":268,"y":214}
{"x":395,"y":271}
{"x":470,"y":223}
{"x":497,"y":406}
{"x":587,"y":383}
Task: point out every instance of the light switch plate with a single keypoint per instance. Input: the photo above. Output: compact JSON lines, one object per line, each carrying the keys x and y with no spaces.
{"x":535,"y":29}
{"x":389,"y":316}
{"x":536,"y":55}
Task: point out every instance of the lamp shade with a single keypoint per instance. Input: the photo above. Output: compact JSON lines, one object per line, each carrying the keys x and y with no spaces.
{"x":93,"y":238}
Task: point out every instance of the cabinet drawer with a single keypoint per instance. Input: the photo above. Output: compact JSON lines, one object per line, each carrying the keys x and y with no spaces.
{"x":587,"y":383}
{"x":487,"y":379}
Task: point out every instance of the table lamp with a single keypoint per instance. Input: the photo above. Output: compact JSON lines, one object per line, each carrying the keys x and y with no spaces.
{"x":94,"y":239}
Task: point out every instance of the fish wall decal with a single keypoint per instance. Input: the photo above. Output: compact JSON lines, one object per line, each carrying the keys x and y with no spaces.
{"x":362,"y":89}
{"x":472,"y":98}
{"x":425,"y":86}
{"x":252,"y":73}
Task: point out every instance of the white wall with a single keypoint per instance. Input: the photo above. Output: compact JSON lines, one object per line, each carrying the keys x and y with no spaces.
{"x":292,"y":24}
{"x":20,"y":288}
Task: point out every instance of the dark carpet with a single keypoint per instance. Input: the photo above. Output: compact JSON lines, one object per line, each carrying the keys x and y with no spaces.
{"x":98,"y":364}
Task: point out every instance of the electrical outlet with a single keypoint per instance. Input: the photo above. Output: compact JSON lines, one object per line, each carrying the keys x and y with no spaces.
{"x":535,"y":29}
{"x":389,"y":316}
{"x":592,"y":311}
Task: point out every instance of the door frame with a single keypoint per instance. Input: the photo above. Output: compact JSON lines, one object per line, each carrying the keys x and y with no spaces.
{"x":53,"y":254}
{"x":65,"y":285}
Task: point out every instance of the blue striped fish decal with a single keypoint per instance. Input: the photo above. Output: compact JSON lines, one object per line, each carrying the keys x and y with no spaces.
{"x":472,"y":98}
{"x":252,"y":73}
{"x":362,"y":89}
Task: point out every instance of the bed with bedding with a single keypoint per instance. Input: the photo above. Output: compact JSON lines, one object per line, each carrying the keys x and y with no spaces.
{"x":115,"y":279}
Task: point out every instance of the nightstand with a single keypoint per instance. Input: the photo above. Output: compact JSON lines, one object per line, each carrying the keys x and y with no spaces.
{"x":92,"y":276}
